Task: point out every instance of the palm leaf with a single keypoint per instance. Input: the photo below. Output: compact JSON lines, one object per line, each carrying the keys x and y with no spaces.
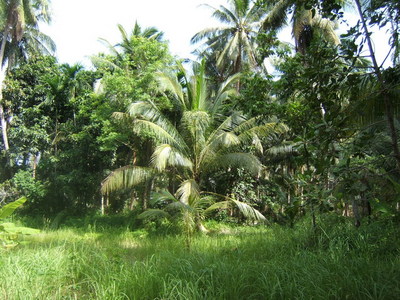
{"x":161,"y":135}
{"x":277,"y":14}
{"x":126,"y":177}
{"x":242,"y":160}
{"x":154,"y":214}
{"x":194,"y":126}
{"x":248,"y":212}
{"x":161,"y":197}
{"x":254,"y":134}
{"x":169,"y":82}
{"x":188,"y":192}
{"x":165,"y":155}
{"x":222,"y":205}
{"x":205,"y":34}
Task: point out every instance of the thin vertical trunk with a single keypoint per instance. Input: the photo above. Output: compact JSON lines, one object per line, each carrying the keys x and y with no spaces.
{"x":3,"y":121}
{"x":35,"y":161}
{"x":383,"y":88}
{"x":356,"y":211}
{"x":102,"y":204}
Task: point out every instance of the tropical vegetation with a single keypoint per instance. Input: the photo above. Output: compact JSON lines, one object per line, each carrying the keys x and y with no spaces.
{"x":263,"y":169}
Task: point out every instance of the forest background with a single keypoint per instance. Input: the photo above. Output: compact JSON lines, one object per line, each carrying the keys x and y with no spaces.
{"x":155,"y":176}
{"x":150,"y":134}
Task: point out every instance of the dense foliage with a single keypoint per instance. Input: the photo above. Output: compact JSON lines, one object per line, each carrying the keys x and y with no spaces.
{"x":226,"y":140}
{"x":263,"y":170}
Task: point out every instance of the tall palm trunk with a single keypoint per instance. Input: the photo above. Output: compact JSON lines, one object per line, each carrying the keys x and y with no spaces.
{"x":3,"y":121}
{"x":383,"y":88}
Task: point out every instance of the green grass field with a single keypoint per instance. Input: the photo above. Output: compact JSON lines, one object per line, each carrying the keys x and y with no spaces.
{"x":335,"y":262}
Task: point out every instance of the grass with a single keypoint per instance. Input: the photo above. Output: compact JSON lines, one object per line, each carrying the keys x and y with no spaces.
{"x":336,"y":262}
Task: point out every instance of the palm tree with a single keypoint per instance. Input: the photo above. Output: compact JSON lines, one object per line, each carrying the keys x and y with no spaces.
{"x":62,"y":91}
{"x":127,"y":47}
{"x":34,"y":43}
{"x":234,"y":42}
{"x":17,"y":16}
{"x":306,"y":22}
{"x":147,"y":33}
{"x":200,"y":141}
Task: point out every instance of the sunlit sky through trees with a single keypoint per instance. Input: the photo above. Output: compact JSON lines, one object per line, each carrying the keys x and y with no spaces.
{"x":77,"y":25}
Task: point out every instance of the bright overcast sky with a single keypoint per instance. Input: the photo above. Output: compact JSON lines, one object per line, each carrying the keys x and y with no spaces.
{"x":78,"y":24}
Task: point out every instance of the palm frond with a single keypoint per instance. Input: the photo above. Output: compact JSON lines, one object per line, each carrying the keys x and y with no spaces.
{"x":148,"y":117}
{"x":110,"y":47}
{"x":225,"y":92}
{"x":162,"y":196}
{"x":262,"y":131}
{"x":160,"y":134}
{"x":103,"y":61}
{"x":165,"y":155}
{"x":228,"y":124}
{"x":213,"y":143}
{"x":188,"y":192}
{"x":124,"y":35}
{"x":224,"y":15}
{"x":221,"y":205}
{"x":177,"y":207}
{"x":227,"y":139}
{"x":168,"y":81}
{"x":154,"y":214}
{"x":242,"y":160}
{"x":230,"y":50}
{"x":194,"y":126}
{"x":199,"y":90}
{"x":126,"y":177}
{"x":205,"y":34}
{"x":327,"y":29}
{"x":248,"y":212}
{"x":277,"y":15}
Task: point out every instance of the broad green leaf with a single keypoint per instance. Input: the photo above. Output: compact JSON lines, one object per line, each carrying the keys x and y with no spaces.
{"x":9,"y":208}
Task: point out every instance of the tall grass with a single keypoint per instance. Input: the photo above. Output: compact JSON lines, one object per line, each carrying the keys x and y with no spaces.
{"x":335,"y":262}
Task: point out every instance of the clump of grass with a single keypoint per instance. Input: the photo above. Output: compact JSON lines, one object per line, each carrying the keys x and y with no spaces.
{"x":334,"y":262}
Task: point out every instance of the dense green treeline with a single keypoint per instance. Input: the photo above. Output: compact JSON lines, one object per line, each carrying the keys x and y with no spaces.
{"x":222,"y":138}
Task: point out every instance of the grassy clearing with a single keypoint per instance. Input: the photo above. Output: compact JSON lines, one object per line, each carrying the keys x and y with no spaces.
{"x":336,"y":262}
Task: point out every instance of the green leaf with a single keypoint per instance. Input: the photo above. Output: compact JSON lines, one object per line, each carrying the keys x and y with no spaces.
{"x":9,"y":208}
{"x":154,"y":214}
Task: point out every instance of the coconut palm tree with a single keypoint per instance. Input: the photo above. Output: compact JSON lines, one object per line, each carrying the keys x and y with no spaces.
{"x":306,"y":22}
{"x":234,"y":42}
{"x":17,"y":16}
{"x":200,"y":141}
{"x":33,"y":43}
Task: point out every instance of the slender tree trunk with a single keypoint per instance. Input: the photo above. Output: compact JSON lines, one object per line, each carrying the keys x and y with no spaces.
{"x":383,"y":87}
{"x":102,"y":205}
{"x":35,"y":161}
{"x":356,"y":212}
{"x":3,"y":121}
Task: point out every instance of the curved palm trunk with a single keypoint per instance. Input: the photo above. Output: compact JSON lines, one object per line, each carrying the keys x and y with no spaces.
{"x":384,"y":93}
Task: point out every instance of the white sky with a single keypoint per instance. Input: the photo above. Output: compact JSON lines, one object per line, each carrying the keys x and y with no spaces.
{"x":78,"y":24}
